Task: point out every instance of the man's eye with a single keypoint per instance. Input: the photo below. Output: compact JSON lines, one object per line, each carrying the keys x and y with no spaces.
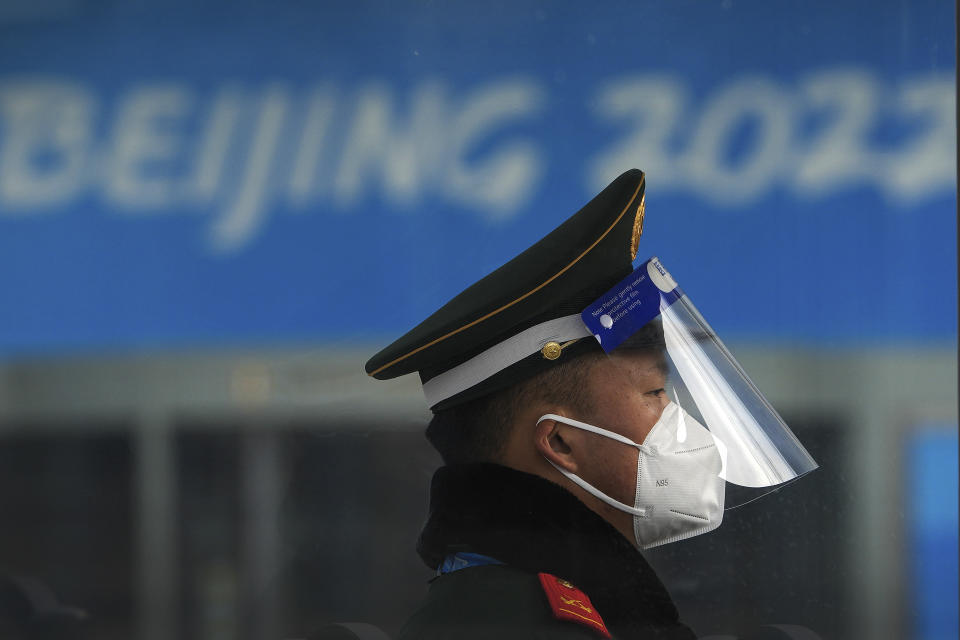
{"x":656,"y":392}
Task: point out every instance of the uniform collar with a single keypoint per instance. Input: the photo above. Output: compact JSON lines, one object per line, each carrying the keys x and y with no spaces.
{"x":535,"y":525}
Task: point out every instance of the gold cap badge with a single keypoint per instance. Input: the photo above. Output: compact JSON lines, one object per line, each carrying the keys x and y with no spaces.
{"x":637,"y":228}
{"x":551,"y":350}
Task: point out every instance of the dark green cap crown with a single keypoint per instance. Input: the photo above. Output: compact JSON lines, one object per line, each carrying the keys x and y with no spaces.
{"x":558,"y":276}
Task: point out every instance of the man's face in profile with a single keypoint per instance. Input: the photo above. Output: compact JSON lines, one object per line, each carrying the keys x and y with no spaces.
{"x":627,"y":393}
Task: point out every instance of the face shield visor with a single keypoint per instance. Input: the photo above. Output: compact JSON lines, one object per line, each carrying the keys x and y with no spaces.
{"x":687,"y":387}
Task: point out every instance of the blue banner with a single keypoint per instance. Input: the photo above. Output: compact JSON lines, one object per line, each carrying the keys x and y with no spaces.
{"x":931,"y":517}
{"x":177,"y":173}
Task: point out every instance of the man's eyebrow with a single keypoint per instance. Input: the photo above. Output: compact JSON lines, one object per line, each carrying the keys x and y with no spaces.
{"x":642,"y":376}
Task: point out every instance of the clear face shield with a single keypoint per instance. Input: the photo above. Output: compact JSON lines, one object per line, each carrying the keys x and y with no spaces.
{"x":707,"y":438}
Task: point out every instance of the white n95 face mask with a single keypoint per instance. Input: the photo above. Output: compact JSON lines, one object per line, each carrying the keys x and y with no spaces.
{"x":680,"y":490}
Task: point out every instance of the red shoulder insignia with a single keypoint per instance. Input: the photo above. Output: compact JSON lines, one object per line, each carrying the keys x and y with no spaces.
{"x":569,"y":603}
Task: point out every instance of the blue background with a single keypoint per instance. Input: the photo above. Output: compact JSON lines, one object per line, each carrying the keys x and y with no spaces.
{"x":855,"y":263}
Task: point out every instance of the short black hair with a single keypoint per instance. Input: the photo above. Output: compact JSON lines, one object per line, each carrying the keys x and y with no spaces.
{"x":478,"y":430}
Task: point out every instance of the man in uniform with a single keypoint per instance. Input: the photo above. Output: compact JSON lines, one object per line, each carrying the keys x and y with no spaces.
{"x":584,"y":411}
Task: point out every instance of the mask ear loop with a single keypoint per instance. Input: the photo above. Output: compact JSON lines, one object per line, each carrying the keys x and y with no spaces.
{"x":580,"y":482}
{"x":588,"y":427}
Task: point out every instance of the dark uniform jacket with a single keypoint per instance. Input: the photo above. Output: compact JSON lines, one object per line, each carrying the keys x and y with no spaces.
{"x":532,"y":526}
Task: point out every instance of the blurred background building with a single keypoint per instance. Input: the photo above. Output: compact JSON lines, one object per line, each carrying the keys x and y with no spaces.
{"x":212,"y":213}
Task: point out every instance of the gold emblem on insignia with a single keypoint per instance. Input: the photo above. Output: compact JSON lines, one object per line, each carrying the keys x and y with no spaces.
{"x":551,"y":350}
{"x":637,"y":228}
{"x":576,"y":603}
{"x":566,"y":584}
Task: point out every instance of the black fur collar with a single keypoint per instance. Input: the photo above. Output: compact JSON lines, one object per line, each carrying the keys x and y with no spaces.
{"x":530,"y":523}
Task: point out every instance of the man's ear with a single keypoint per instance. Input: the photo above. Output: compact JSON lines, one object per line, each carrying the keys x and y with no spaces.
{"x":553,"y":441}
